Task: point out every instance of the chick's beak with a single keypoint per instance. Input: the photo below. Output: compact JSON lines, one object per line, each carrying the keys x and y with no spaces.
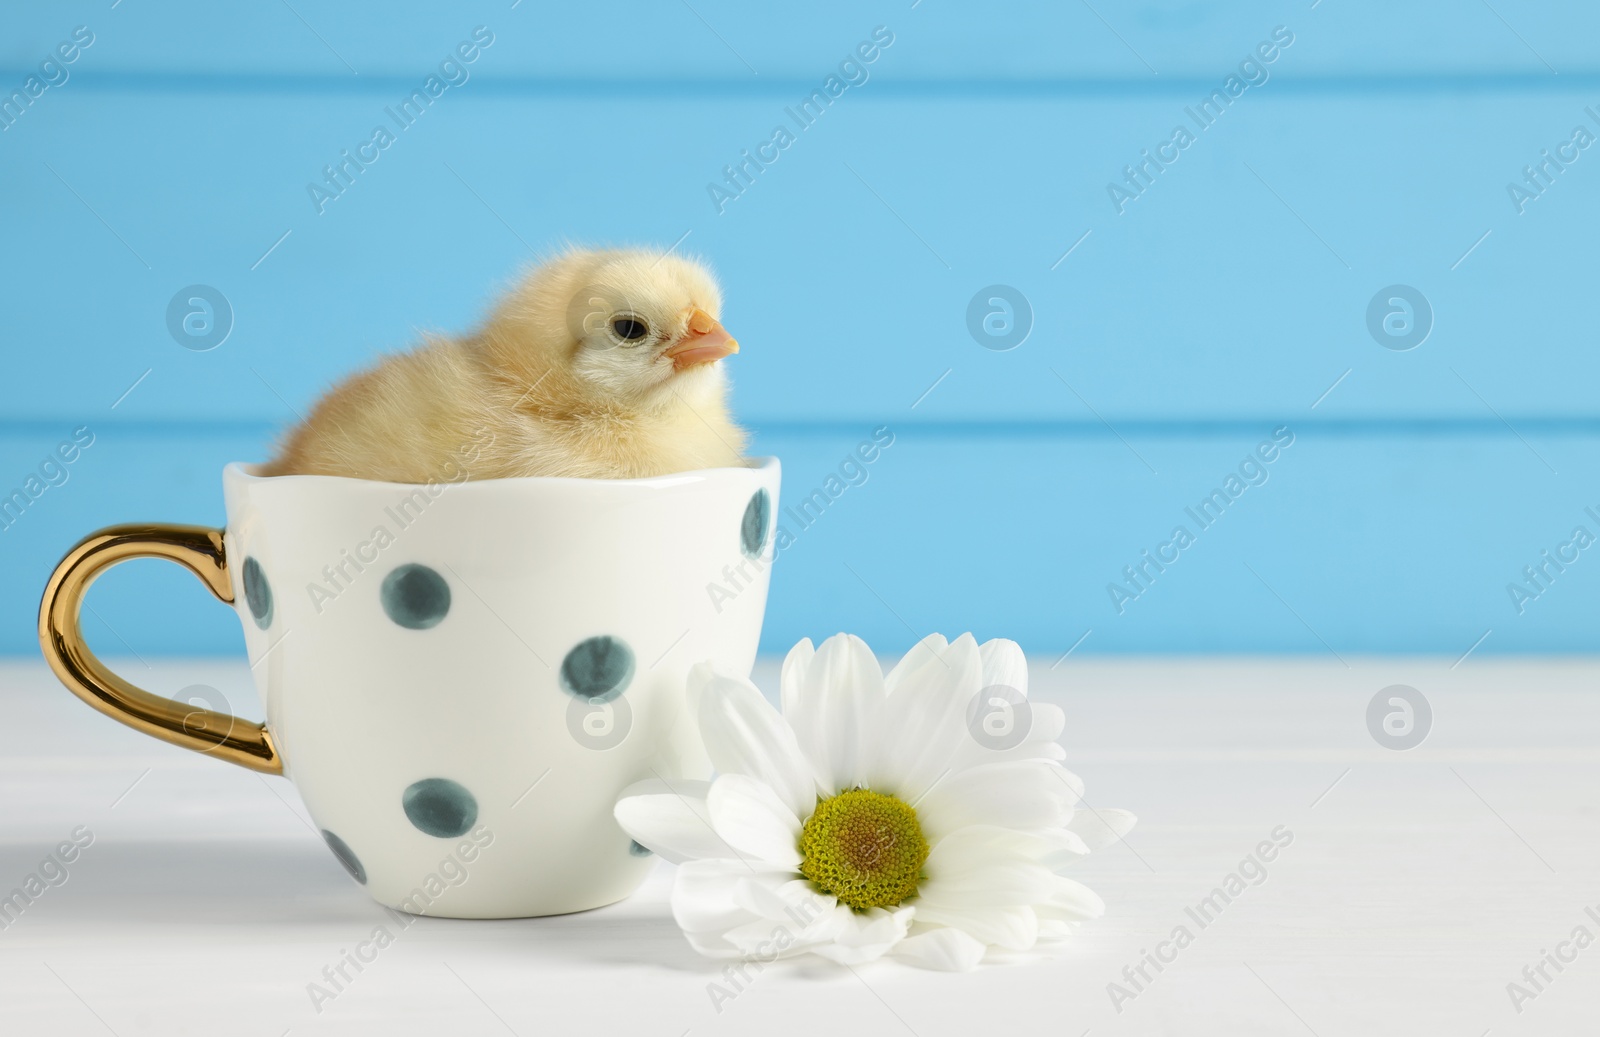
{"x":704,"y":342}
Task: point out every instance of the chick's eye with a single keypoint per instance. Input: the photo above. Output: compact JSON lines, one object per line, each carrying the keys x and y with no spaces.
{"x":630,"y":329}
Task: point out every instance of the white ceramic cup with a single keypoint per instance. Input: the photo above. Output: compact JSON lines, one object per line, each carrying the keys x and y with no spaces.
{"x":460,"y":677}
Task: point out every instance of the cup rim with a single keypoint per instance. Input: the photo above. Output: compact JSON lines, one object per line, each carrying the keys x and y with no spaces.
{"x":245,"y":472}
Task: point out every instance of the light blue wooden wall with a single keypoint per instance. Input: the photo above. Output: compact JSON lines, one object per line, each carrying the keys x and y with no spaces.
{"x":1167,"y":339}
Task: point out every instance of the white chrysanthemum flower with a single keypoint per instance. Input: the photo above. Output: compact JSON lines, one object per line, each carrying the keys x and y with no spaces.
{"x":924,"y":814}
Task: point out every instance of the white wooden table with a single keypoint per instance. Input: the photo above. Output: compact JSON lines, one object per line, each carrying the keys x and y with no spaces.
{"x":1418,"y":884}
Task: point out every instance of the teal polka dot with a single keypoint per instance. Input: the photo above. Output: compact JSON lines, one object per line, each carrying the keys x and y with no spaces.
{"x":598,"y":669}
{"x":415,"y":596}
{"x":754,"y":528}
{"x":257,"y":593}
{"x":440,"y":807}
{"x":346,"y":856}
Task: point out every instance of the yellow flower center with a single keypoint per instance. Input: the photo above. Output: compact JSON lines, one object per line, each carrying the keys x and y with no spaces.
{"x":864,"y":847}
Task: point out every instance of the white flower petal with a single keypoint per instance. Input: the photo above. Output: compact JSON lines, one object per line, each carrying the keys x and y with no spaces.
{"x":1072,"y":901}
{"x":795,"y":899}
{"x":908,"y":670}
{"x":1049,"y":720}
{"x":979,"y":845}
{"x":929,"y":692}
{"x":975,"y":846}
{"x":752,"y":819}
{"x":745,"y":735}
{"x":941,"y":948}
{"x":1014,"y":928}
{"x":769,"y":939}
{"x":997,"y":885}
{"x":987,"y":866}
{"x":792,"y":675}
{"x":865,"y":936}
{"x":1045,"y":722}
{"x":670,"y":818}
{"x":1056,"y":848}
{"x":1020,"y":794}
{"x":1100,"y":828}
{"x":711,"y":945}
{"x":833,"y":699}
{"x":1073,"y":783}
{"x":1004,"y":665}
{"x":704,"y":895}
{"x":790,"y":918}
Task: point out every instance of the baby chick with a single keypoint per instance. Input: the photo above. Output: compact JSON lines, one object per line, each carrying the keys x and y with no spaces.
{"x":599,"y":364}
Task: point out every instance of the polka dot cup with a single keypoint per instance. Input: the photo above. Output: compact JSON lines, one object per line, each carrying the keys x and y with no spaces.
{"x":460,"y":678}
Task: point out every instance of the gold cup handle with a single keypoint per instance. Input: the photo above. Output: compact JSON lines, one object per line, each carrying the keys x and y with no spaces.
{"x":198,"y":549}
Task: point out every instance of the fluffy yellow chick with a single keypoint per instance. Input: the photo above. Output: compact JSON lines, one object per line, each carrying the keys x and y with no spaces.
{"x":599,"y":364}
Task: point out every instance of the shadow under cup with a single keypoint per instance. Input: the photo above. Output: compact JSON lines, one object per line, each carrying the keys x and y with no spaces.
{"x":460,"y":678}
